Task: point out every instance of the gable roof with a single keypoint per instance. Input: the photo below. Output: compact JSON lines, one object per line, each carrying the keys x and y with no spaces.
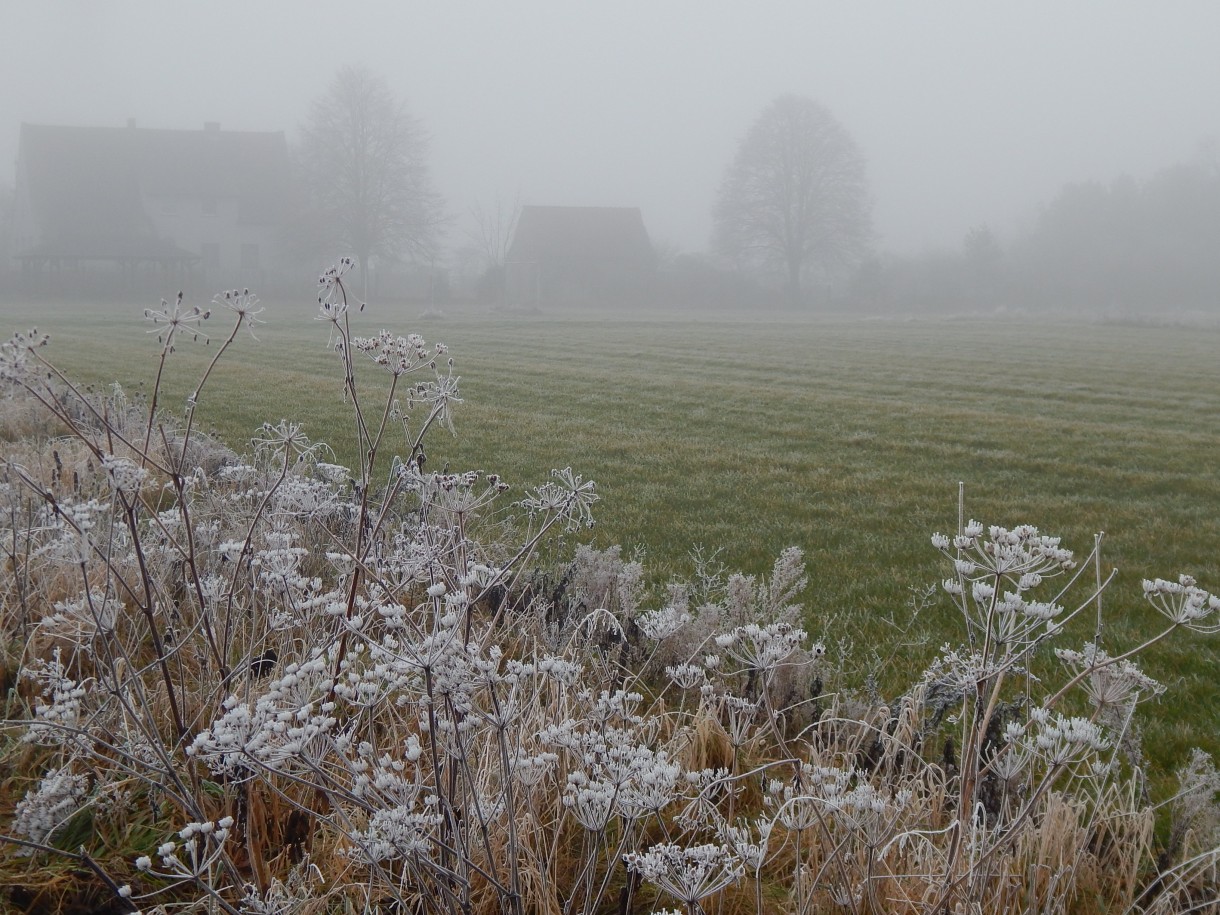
{"x":581,"y":234}
{"x":87,"y":186}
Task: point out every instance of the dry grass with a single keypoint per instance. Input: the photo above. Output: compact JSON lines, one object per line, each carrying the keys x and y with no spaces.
{"x":385,"y":613}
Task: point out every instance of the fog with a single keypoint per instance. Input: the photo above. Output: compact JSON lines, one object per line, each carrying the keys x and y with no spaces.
{"x":967,"y":114}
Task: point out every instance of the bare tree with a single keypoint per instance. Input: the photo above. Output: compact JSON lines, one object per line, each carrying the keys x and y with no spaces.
{"x":492,"y":235}
{"x":795,"y":198}
{"x":493,"y":230}
{"x":363,"y":161}
{"x":983,"y":264}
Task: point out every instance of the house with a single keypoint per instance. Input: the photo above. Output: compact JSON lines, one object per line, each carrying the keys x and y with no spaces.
{"x":130,"y":207}
{"x":579,"y":256}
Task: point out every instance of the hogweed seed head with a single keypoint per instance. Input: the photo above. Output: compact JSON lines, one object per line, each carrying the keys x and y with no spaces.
{"x":660,"y":624}
{"x":16,"y":352}
{"x":170,"y":320}
{"x":1183,"y":602}
{"x":244,"y":304}
{"x":1109,"y":683}
{"x":567,"y":495}
{"x":687,"y":874}
{"x":331,"y":302}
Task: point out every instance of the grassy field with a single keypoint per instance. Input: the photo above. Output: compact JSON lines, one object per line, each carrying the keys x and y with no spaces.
{"x":845,"y":438}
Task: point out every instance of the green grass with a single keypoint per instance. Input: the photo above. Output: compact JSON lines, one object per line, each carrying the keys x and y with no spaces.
{"x":846,"y":438}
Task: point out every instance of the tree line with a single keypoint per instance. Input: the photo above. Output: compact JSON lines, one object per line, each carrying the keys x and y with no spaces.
{"x":1124,"y":248}
{"x":792,"y":220}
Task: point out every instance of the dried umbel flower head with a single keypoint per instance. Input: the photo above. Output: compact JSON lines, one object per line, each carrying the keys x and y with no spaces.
{"x":400,"y":355}
{"x":567,"y":497}
{"x":82,"y":618}
{"x":751,"y":850}
{"x":1014,"y":553}
{"x":170,"y":320}
{"x":124,"y":474}
{"x":662,"y":623}
{"x":992,"y":576}
{"x":402,"y":831}
{"x":1062,"y":740}
{"x":1109,"y":682}
{"x":687,"y":874}
{"x":287,"y":439}
{"x":686,"y":676}
{"x":243,"y":303}
{"x":765,"y":648}
{"x":1183,"y":602}
{"x":16,"y":351}
{"x":590,"y":801}
{"x":332,"y":299}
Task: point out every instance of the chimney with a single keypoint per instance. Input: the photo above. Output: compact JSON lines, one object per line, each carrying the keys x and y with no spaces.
{"x":212,"y":126}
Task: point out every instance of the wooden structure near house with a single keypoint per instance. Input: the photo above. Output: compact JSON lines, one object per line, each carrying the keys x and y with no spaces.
{"x":579,"y":256}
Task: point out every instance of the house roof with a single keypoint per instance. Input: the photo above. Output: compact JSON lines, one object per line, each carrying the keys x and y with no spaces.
{"x":87,"y":186}
{"x":586,"y":234}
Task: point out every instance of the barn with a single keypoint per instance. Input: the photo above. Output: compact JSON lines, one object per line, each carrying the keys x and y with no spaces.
{"x":579,"y":256}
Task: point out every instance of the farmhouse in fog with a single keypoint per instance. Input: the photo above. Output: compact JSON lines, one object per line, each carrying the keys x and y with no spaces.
{"x":579,"y":256}
{"x":127,"y":207}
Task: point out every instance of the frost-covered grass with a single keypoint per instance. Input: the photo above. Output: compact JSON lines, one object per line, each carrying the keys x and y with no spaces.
{"x":297,"y":678}
{"x":845,"y":438}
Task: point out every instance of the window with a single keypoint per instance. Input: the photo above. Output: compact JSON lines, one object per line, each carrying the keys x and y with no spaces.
{"x":249,"y":257}
{"x":211,"y":255}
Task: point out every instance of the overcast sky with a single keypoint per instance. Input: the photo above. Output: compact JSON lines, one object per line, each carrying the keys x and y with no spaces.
{"x":968,"y":112}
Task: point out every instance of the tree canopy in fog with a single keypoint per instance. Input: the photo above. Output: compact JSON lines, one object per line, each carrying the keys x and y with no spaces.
{"x":1129,"y":244}
{"x":1125,"y":246}
{"x":795,"y":197}
{"x":365,"y":171}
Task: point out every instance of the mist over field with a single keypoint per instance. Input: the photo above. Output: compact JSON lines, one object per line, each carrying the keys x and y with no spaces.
{"x":552,"y":457}
{"x":1058,"y":156}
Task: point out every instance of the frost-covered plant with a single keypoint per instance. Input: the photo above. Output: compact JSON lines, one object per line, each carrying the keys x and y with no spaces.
{"x":295,"y":686}
{"x":254,"y":623}
{"x":690,"y":874}
{"x":44,"y":809}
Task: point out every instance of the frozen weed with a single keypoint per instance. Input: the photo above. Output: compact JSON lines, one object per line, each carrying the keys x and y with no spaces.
{"x":273,"y":684}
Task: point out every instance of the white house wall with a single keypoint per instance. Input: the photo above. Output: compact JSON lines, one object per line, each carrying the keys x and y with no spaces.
{"x":183,"y":221}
